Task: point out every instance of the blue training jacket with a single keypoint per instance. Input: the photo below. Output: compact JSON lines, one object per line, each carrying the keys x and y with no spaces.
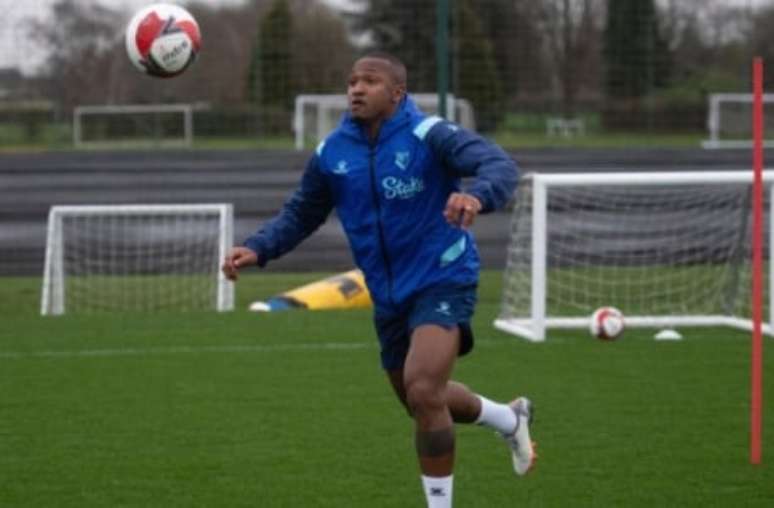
{"x":390,"y":196}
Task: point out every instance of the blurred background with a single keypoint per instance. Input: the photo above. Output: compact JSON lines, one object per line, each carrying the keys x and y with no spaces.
{"x":561,"y":84}
{"x":634,"y":71}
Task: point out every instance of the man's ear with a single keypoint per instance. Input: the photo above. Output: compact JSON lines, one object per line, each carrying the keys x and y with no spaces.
{"x":398,"y":94}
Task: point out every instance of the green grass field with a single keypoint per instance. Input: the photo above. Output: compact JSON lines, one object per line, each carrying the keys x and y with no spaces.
{"x":292,"y":410}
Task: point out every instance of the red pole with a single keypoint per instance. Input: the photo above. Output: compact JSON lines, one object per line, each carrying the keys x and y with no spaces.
{"x":756,"y":368}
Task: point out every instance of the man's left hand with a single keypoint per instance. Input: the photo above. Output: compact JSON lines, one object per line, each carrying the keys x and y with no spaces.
{"x":461,"y":209}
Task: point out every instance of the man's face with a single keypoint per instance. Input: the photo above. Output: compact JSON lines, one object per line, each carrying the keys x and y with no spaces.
{"x":372,"y":90}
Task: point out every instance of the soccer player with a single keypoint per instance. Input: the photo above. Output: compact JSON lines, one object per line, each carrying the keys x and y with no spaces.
{"x":393,"y":176}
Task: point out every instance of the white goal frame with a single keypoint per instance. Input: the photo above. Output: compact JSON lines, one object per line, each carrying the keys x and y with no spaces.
{"x":186,"y":110}
{"x":715,"y":102}
{"x":53,"y":298}
{"x":533,"y":327}
{"x":459,"y":110}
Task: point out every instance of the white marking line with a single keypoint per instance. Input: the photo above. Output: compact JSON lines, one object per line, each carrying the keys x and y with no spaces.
{"x":173,"y":350}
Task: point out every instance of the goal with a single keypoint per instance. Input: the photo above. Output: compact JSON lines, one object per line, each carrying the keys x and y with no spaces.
{"x":126,"y":258}
{"x":158,"y":125}
{"x":730,"y":120}
{"x":669,"y":249}
{"x":315,"y":115}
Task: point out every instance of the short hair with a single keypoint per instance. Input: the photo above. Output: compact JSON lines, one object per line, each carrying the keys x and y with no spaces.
{"x":397,"y":67}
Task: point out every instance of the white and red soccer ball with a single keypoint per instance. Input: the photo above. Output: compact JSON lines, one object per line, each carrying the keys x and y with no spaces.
{"x":607,"y":323}
{"x":163,"y":40}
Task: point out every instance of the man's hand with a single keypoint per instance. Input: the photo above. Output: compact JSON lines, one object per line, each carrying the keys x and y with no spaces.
{"x":236,"y":259}
{"x":461,"y":209}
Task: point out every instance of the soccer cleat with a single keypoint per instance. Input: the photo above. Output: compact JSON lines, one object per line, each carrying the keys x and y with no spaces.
{"x":522,"y":447}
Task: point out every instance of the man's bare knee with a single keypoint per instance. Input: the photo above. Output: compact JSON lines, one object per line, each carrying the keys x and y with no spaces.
{"x":424,"y":396}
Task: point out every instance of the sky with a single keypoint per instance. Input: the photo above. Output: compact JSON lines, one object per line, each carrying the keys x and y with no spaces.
{"x":16,"y":50}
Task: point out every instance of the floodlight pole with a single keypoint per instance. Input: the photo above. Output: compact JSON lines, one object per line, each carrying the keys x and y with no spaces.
{"x":442,"y":54}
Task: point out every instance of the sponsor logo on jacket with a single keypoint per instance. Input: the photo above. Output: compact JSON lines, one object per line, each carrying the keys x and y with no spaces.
{"x":397,"y":188}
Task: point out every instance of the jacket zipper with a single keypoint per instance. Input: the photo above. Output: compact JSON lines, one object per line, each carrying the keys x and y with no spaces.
{"x":380,"y":226}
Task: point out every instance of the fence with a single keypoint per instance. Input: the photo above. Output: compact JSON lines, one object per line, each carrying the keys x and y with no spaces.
{"x":641,"y":69}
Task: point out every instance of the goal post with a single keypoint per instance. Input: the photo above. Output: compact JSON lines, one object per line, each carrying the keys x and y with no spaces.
{"x":669,"y":249}
{"x":315,"y":115}
{"x":730,"y":120}
{"x":126,"y":258}
{"x":168,"y":125}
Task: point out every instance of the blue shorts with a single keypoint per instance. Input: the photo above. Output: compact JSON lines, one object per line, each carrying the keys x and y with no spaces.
{"x":447,"y":306}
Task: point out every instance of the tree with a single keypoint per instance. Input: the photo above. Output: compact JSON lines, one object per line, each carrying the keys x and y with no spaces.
{"x":274,"y":58}
{"x":763,"y":24}
{"x":253,"y":90}
{"x":405,"y":28}
{"x":80,"y":66}
{"x":709,"y":43}
{"x":478,"y":80}
{"x":517,"y":43}
{"x":218,"y":76}
{"x":571,"y":34}
{"x":636,"y":55}
{"x":322,"y":52}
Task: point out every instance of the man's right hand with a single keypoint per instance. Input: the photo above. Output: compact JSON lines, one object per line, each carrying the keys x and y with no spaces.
{"x":236,"y":259}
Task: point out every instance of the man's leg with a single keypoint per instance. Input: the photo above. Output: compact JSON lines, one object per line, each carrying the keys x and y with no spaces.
{"x":510,"y":420}
{"x":463,"y":404}
{"x":426,"y":372}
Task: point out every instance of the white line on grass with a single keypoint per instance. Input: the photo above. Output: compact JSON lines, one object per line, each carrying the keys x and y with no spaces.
{"x":172,"y":350}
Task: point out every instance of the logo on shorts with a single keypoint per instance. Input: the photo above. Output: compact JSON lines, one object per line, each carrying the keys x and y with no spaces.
{"x":444,"y":308}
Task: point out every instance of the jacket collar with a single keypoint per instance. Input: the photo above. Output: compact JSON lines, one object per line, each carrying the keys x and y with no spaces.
{"x":404,"y":113}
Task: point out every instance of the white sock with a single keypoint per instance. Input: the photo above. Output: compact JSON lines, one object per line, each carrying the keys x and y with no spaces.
{"x":498,"y":416}
{"x":438,"y":491}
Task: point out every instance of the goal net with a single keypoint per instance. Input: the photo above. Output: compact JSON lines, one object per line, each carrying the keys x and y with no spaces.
{"x":730,"y":120}
{"x":158,"y":125}
{"x":129,"y":258}
{"x":667,"y":249}
{"x":316,"y":115}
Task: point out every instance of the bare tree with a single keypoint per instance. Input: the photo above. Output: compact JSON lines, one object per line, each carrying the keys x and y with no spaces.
{"x":571,"y":30}
{"x":323,"y":53}
{"x":77,"y":41}
{"x":710,"y":41}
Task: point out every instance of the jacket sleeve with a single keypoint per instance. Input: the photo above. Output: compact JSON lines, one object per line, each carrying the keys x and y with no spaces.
{"x":466,"y":154}
{"x":305,"y":210}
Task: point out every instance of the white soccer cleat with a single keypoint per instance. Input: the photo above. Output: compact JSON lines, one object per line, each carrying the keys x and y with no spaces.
{"x":522,"y":447}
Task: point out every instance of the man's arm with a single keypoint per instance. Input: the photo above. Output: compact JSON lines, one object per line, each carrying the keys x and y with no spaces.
{"x":466,"y":154}
{"x":300,"y":216}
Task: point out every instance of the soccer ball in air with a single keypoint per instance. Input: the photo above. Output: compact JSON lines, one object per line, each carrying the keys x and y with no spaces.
{"x":607,"y":323}
{"x":162,"y":40}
